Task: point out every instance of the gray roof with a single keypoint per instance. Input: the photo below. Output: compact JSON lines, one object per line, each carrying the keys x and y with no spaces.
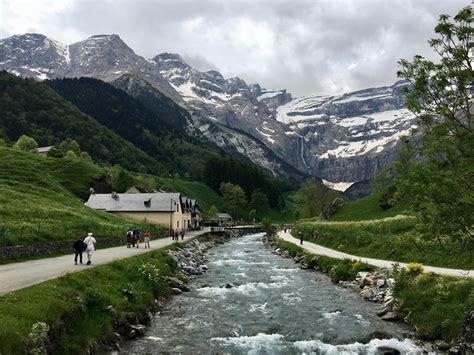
{"x":223,"y":216}
{"x":44,"y":149}
{"x":158,"y":202}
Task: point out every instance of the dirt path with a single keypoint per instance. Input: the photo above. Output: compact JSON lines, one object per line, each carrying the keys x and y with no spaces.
{"x":19,"y":275}
{"x":317,"y":249}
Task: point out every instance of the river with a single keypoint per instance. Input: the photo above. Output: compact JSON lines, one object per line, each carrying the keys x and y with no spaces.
{"x":273,"y":308}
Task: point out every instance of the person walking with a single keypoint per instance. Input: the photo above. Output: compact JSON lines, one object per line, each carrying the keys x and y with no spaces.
{"x":129,"y":237}
{"x":146,"y":238}
{"x":301,"y":237}
{"x":136,"y":237}
{"x":79,"y":248}
{"x":176,"y":235}
{"x":182,"y":235}
{"x":90,"y":247}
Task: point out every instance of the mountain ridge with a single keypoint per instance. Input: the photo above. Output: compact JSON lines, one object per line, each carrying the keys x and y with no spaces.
{"x":339,"y":138}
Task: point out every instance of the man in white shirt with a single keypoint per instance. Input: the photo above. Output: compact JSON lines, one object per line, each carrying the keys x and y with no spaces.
{"x":90,"y":247}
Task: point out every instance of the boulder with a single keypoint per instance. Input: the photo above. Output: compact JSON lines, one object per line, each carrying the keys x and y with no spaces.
{"x":381,"y":283}
{"x":176,"y":291}
{"x":367,"y":293}
{"x":390,"y":316}
{"x":386,"y":350}
{"x":365,"y":281}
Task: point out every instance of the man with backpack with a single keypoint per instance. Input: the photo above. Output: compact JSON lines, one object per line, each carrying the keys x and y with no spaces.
{"x":79,"y":248}
{"x":129,"y":237}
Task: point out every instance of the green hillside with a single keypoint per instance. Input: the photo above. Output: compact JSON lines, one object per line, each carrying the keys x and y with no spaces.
{"x":367,"y":208}
{"x":159,"y":131}
{"x":32,"y":108}
{"x":37,"y":201}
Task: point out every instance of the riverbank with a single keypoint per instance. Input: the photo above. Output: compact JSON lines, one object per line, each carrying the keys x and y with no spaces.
{"x":100,"y":307}
{"x":437,"y":307}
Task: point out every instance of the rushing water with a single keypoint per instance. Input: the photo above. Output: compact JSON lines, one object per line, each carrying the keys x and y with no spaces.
{"x":274,"y":308}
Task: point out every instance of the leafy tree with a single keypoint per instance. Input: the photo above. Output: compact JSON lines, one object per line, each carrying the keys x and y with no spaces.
{"x":259,"y":203}
{"x":70,"y":155}
{"x":119,"y":179}
{"x":439,"y":182}
{"x":234,"y":199}
{"x":26,"y":144}
{"x":211,"y":212}
{"x":316,"y":198}
{"x":70,"y":145}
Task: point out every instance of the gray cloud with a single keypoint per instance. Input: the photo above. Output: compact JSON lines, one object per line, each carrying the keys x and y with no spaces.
{"x":323,"y":47}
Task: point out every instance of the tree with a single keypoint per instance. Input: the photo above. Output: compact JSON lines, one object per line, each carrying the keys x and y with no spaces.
{"x":438,"y":179}
{"x":70,"y":155}
{"x":211,"y":213}
{"x":234,"y":199}
{"x":26,"y":144}
{"x":259,"y":203}
{"x":70,"y":145}
{"x":316,"y":198}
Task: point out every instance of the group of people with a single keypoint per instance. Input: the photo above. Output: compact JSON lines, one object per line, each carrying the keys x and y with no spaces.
{"x":175,"y":235}
{"x":286,"y":227}
{"x":86,"y":245}
{"x":134,"y":237}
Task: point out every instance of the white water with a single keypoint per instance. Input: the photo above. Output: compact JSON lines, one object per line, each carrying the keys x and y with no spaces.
{"x":274,"y":308}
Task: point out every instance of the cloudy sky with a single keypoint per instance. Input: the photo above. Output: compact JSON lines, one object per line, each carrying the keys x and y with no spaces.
{"x":307,"y":47}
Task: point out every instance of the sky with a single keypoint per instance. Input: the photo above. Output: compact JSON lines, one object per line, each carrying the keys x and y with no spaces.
{"x":307,"y":47}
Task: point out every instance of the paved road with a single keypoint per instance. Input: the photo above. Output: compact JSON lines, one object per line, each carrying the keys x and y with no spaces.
{"x":19,"y":275}
{"x":317,"y":249}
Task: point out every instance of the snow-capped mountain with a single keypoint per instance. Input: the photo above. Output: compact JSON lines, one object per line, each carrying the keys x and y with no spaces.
{"x":342,"y":139}
{"x":105,"y":57}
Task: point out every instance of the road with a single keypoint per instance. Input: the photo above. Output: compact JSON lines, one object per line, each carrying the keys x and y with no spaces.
{"x":317,"y":249}
{"x":19,"y":275}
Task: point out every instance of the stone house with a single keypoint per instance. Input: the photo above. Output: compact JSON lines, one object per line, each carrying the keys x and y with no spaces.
{"x":164,"y":208}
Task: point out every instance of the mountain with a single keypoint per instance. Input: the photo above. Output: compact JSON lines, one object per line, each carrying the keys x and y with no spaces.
{"x":32,"y":108}
{"x":105,"y":57}
{"x":342,"y":139}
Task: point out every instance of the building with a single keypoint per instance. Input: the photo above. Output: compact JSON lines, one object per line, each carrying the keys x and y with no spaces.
{"x":44,"y":150}
{"x":167,"y":209}
{"x":222,"y":218}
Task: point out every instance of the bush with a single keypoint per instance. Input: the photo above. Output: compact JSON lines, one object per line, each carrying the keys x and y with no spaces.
{"x":415,"y":268}
{"x":26,"y":144}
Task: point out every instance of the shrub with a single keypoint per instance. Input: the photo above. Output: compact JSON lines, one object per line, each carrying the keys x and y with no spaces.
{"x":415,"y":268}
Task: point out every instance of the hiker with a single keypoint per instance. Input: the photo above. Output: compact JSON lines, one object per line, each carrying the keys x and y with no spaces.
{"x":136,"y":238}
{"x":176,"y":235}
{"x":182,"y":235}
{"x":301,"y":238}
{"x":129,"y":237}
{"x":147,"y":236}
{"x":79,"y":247}
{"x":90,"y":247}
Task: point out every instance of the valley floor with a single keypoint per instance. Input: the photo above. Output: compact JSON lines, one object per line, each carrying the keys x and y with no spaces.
{"x":20,"y":275}
{"x":319,"y":250}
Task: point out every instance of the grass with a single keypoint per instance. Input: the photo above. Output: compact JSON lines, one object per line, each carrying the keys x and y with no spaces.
{"x":73,"y":305}
{"x":390,"y":239}
{"x":338,"y":270}
{"x":199,"y":191}
{"x":367,"y":208}
{"x":435,"y":305}
{"x":38,"y":201}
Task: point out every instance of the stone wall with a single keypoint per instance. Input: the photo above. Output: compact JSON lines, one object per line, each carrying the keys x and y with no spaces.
{"x":33,"y":250}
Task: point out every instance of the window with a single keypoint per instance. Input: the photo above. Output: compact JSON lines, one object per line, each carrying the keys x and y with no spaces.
{"x":177,"y":224}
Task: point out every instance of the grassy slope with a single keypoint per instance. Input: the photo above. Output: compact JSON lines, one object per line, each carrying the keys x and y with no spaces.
{"x":119,"y":284}
{"x":205,"y":196}
{"x":36,"y":196}
{"x":362,"y":228}
{"x":366,"y":208}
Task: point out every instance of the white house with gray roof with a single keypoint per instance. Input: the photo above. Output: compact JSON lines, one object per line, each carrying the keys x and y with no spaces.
{"x":165,"y":208}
